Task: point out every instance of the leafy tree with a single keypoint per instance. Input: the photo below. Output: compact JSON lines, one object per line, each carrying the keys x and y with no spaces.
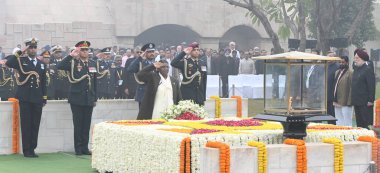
{"x":289,"y":14}
{"x":349,"y":19}
{"x":325,"y":19}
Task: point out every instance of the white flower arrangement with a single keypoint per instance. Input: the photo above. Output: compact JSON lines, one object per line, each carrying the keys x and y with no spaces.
{"x":184,"y":106}
{"x":146,"y":148}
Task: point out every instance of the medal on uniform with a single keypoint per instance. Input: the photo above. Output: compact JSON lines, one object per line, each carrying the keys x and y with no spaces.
{"x":79,"y":67}
{"x":92,"y":69}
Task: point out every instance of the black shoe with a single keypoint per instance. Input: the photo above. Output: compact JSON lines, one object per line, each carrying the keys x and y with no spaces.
{"x":34,"y":154}
{"x":30,"y":155}
{"x":87,"y":152}
{"x":78,"y":153}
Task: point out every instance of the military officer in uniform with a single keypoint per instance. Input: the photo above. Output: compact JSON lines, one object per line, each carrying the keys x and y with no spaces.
{"x":194,"y":72}
{"x":104,"y":75}
{"x":31,"y":93}
{"x":49,"y":74}
{"x":129,"y":80}
{"x":147,"y":58}
{"x":82,"y":95}
{"x":6,"y":82}
{"x":59,"y":77}
{"x":117,"y":78}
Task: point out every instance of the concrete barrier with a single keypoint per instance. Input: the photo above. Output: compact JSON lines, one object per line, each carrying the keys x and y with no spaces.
{"x":56,"y":128}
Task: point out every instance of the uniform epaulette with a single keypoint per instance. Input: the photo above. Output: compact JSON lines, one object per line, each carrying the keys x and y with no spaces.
{"x":18,"y":54}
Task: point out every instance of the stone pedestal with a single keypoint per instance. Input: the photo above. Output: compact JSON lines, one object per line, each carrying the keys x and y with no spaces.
{"x":282,"y":158}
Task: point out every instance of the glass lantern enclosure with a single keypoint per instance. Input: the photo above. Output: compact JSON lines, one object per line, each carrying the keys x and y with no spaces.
{"x":295,"y":90}
{"x":295,"y":87}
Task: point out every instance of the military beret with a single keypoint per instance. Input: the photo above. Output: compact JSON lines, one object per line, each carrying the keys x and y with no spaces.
{"x":31,"y":41}
{"x":83,"y":44}
{"x":148,"y":47}
{"x":194,"y":45}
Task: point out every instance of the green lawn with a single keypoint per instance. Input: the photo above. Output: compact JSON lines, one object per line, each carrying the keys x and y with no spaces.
{"x":46,"y":163}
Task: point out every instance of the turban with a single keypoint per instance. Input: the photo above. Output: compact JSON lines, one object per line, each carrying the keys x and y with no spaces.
{"x":361,"y":54}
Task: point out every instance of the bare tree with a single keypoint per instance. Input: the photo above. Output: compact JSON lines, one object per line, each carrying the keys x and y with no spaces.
{"x":327,"y":13}
{"x":302,"y":24}
{"x":363,"y":10}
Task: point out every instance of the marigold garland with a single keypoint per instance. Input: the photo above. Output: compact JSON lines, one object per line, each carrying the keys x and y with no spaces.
{"x":378,"y":155}
{"x":178,"y":130}
{"x":224,"y":155}
{"x":188,"y":155}
{"x":375,"y":147}
{"x":15,"y":126}
{"x":327,"y":127}
{"x":377,"y":113}
{"x":338,"y":153}
{"x":218,"y":105}
{"x":238,"y":106}
{"x":301,"y":154}
{"x":185,"y":156}
{"x":262,"y":157}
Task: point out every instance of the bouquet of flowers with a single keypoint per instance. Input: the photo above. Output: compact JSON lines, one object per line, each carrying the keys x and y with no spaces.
{"x":185,"y":110}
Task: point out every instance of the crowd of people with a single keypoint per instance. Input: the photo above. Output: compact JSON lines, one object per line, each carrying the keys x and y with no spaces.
{"x":117,"y":83}
{"x":157,"y":79}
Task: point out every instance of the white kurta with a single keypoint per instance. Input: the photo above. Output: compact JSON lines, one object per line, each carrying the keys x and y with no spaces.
{"x":164,"y":97}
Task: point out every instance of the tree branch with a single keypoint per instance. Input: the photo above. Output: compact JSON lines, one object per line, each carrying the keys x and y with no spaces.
{"x":301,"y":24}
{"x":288,"y":22}
{"x":239,"y":4}
{"x":354,"y":26}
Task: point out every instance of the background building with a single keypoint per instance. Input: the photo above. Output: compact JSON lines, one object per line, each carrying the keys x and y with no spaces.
{"x":213,"y":23}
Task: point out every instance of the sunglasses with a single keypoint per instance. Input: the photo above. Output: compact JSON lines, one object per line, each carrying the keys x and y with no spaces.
{"x":32,"y":47}
{"x":139,"y":52}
